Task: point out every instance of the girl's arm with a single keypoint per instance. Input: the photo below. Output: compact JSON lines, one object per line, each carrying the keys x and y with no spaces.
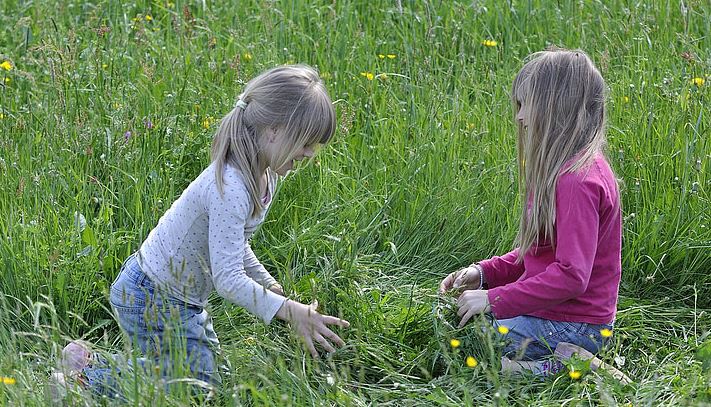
{"x":227,"y":214}
{"x":255,"y":270}
{"x":577,"y":224}
{"x":502,"y":270}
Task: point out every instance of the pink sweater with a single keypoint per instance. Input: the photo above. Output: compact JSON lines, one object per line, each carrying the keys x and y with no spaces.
{"x":578,"y":281}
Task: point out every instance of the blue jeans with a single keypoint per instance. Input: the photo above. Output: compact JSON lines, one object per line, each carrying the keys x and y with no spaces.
{"x":170,"y":333}
{"x":531,"y":338}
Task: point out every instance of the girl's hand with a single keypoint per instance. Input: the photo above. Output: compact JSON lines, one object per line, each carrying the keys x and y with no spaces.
{"x":277,"y":289}
{"x":311,"y":325}
{"x":468,"y":278}
{"x":472,"y":302}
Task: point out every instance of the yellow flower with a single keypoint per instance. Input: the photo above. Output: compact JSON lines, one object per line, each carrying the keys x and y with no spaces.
{"x":489,"y":43}
{"x":104,"y":66}
{"x":575,"y":374}
{"x":2,"y":116}
{"x":7,"y":80}
{"x":8,"y":380}
{"x":247,"y":56}
{"x":455,"y":343}
{"x":606,"y":333}
{"x":391,"y":56}
{"x":471,"y":362}
{"x":6,"y":65}
{"x":381,"y":56}
{"x":368,"y":75}
{"x":207,"y":122}
{"x":149,"y":17}
{"x":625,"y":99}
{"x":503,"y":330}
{"x":698,"y":81}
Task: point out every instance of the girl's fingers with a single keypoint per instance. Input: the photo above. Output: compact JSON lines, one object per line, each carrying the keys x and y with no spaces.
{"x":310,"y":347}
{"x":329,"y":320}
{"x":463,"y":299}
{"x":466,"y":318}
{"x":324,"y":343}
{"x":460,"y":279}
{"x":332,"y":336}
{"x":446,"y":284}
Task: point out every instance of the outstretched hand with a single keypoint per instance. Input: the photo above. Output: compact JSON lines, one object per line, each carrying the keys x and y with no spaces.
{"x":472,"y":302}
{"x":311,"y":325}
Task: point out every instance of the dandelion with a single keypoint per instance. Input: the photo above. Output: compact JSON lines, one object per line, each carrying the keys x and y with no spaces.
{"x":698,"y":81}
{"x":471,"y":362}
{"x":625,"y":99}
{"x":207,"y":122}
{"x":381,"y":56}
{"x":6,"y":65}
{"x":2,"y":116}
{"x":149,"y":17}
{"x":7,"y":80}
{"x":489,"y":43}
{"x":368,"y":75}
{"x":247,"y":56}
{"x":606,"y":333}
{"x":8,"y":380}
{"x":503,"y":330}
{"x":454,"y":343}
{"x":575,"y":374}
{"x":391,"y":56}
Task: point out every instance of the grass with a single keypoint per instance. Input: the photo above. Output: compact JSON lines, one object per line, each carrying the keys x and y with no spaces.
{"x":109,"y":110}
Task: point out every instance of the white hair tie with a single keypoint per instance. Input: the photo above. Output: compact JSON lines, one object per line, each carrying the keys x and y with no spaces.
{"x":241,"y":104}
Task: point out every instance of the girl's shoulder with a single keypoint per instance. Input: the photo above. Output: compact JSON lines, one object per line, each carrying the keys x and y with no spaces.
{"x":596,"y":177}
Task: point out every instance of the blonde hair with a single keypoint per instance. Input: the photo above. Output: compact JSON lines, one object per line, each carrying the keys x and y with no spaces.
{"x":290,"y":99}
{"x":564,"y":96}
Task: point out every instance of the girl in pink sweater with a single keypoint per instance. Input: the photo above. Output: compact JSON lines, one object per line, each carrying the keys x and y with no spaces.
{"x":561,"y":282}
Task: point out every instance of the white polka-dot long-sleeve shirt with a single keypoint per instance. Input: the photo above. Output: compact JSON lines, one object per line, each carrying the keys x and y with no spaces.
{"x":202,"y":243}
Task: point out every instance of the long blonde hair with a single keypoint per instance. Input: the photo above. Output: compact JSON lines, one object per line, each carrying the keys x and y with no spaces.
{"x":564,"y":96}
{"x":290,"y":99}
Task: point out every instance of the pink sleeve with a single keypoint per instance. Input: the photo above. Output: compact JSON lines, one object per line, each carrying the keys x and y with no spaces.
{"x":501,"y":270}
{"x":577,"y":223}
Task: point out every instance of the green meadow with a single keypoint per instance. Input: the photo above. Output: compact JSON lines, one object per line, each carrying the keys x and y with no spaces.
{"x":107,"y":109}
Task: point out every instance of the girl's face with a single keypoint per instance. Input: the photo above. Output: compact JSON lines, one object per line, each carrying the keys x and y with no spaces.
{"x":276,"y":144}
{"x":305,"y":152}
{"x":523,"y":116}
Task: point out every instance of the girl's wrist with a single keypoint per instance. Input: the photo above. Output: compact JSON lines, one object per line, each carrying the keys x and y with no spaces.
{"x":478,"y":268}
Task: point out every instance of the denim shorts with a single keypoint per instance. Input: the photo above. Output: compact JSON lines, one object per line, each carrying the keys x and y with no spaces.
{"x":176,"y":339}
{"x":531,"y":338}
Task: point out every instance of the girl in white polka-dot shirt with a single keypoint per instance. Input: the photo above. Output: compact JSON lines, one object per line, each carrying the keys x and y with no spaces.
{"x":201,"y":243}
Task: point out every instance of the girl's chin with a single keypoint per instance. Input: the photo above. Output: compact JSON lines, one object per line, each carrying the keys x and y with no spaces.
{"x":285,"y":169}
